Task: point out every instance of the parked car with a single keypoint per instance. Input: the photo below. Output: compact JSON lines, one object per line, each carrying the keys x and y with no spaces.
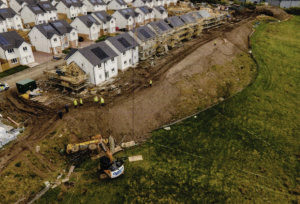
{"x":3,"y":86}
{"x":80,"y":39}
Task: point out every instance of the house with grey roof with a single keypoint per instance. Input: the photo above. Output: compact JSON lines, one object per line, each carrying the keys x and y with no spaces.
{"x":139,"y":3}
{"x":175,"y":22}
{"x":53,"y":37}
{"x":17,"y":5}
{"x":87,"y":26}
{"x":71,"y":8}
{"x":9,"y":19}
{"x":160,"y":27}
{"x":98,"y":60}
{"x":14,"y":51}
{"x":127,"y":19}
{"x":117,"y":5}
{"x":146,"y":39}
{"x":127,"y":49}
{"x":208,"y":20}
{"x":160,"y":13}
{"x":38,"y":13}
{"x":95,"y":5}
{"x":107,"y":22}
{"x":3,"y":4}
{"x":147,"y":14}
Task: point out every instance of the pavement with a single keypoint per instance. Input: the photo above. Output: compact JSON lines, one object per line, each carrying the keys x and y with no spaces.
{"x":32,"y":73}
{"x":41,"y":57}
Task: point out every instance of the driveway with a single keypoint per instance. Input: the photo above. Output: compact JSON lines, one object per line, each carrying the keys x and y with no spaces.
{"x":41,"y":57}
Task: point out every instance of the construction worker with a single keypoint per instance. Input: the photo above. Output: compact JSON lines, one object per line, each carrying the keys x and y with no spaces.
{"x":67,"y":108}
{"x":215,"y":43}
{"x":150,"y":83}
{"x":75,"y":103}
{"x":80,"y":102}
{"x":60,"y":114}
{"x":102,"y":101}
{"x":96,"y":99}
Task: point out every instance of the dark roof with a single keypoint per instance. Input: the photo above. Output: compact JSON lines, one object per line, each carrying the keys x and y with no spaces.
{"x":123,"y":42}
{"x":161,"y":9}
{"x":46,"y":6}
{"x":74,"y":3}
{"x":120,"y":2}
{"x":96,"y":53}
{"x":195,"y":14}
{"x":188,"y":19}
{"x":35,"y":8}
{"x":97,"y":2}
{"x":20,"y":2}
{"x":7,"y":13}
{"x":149,"y":1}
{"x":72,"y":51}
{"x":88,"y":20}
{"x":174,"y":21}
{"x":160,"y":26}
{"x":102,"y":16}
{"x":1,"y":3}
{"x":11,"y":39}
{"x":144,"y":33}
{"x":58,"y":27}
{"x":145,"y":9}
{"x":128,"y":12}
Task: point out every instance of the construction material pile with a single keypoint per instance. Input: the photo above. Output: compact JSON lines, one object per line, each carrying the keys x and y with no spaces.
{"x":273,"y":11}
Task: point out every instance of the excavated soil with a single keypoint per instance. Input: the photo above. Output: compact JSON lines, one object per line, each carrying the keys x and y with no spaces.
{"x":138,"y":109}
{"x":273,"y":11}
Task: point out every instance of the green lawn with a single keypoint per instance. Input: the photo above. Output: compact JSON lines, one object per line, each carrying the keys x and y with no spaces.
{"x":241,"y":151}
{"x":13,"y":70}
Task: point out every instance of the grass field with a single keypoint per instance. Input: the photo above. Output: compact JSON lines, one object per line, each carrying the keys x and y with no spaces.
{"x":244,"y":150}
{"x":13,"y":70}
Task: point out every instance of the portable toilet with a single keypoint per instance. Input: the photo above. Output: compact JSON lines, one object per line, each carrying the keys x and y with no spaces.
{"x":26,"y":85}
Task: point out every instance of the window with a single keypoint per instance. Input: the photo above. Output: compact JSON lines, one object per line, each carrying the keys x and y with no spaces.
{"x":129,"y":61}
{"x":11,"y":50}
{"x":55,"y":39}
{"x":113,"y":70}
{"x":124,"y":53}
{"x":50,"y":19}
{"x":13,"y":61}
{"x":113,"y":60}
{"x":129,"y":19}
{"x":29,"y":56}
{"x":93,"y":28}
{"x":100,"y":76}
{"x":73,"y":33}
{"x":49,"y":11}
{"x":25,"y":48}
{"x":54,"y":18}
{"x":125,"y":62}
{"x":112,"y":22}
{"x":17,"y":18}
{"x":42,"y":14}
{"x":19,"y":26}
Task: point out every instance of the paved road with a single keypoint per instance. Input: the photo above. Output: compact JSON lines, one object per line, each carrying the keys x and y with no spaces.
{"x":32,"y":73}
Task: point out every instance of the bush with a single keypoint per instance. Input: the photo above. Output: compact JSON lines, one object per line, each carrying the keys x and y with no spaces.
{"x":18,"y":164}
{"x":102,"y":38}
{"x":13,"y":70}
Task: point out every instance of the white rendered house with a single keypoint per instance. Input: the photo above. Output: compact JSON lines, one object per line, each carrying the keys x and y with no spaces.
{"x":71,"y":7}
{"x":117,"y":5}
{"x":127,"y":19}
{"x":95,"y":5}
{"x":9,"y":19}
{"x":99,"y":61}
{"x":53,"y":37}
{"x":139,"y":3}
{"x":160,"y":12}
{"x":107,"y":22}
{"x":14,"y":50}
{"x":127,"y":49}
{"x":147,"y":14}
{"x":87,"y":26}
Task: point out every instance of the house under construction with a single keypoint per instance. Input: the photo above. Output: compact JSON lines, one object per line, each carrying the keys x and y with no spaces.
{"x":69,"y":76}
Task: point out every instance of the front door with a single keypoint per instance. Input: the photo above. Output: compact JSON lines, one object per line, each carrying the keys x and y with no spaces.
{"x":106,"y":74}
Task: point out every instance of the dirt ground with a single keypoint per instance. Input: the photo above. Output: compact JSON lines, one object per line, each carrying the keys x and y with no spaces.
{"x":187,"y":79}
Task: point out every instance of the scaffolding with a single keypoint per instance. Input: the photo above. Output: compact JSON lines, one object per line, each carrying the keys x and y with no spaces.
{"x":69,"y":76}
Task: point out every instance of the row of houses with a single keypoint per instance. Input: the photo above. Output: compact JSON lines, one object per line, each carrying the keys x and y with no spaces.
{"x":102,"y":60}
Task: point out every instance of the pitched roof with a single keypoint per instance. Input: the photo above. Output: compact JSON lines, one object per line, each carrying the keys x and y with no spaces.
{"x":195,"y":14}
{"x":174,"y":21}
{"x":97,"y":2}
{"x":11,"y":39}
{"x":145,"y":9}
{"x":20,"y":2}
{"x":46,"y":6}
{"x":149,"y":1}
{"x":123,"y":42}
{"x":102,"y":16}
{"x":74,"y":3}
{"x":88,"y":20}
{"x":120,"y":2}
{"x":58,"y":27}
{"x":160,"y":26}
{"x":96,"y":53}
{"x":144,"y":33}
{"x":7,"y":13}
{"x":188,"y":19}
{"x":204,"y":13}
{"x":160,"y":9}
{"x":126,"y":13}
{"x":35,"y":8}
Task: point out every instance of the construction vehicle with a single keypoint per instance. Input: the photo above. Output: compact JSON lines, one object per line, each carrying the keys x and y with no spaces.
{"x":112,"y":168}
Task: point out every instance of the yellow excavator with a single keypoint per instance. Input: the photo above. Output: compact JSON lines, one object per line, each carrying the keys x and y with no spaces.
{"x":112,"y":168}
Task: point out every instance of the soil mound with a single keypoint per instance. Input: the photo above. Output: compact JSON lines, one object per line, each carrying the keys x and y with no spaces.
{"x":272,"y":11}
